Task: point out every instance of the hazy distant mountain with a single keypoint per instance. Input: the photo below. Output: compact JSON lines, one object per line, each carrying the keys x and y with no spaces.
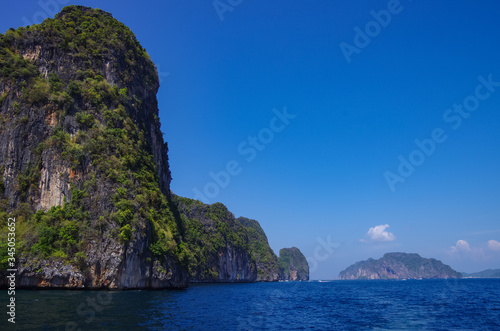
{"x":399,"y":266}
{"x":490,"y":273}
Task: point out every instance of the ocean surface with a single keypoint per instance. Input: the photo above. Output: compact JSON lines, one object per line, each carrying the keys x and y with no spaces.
{"x":466,"y":304}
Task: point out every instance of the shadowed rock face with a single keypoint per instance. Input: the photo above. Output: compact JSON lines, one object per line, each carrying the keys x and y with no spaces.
{"x":220,"y":245}
{"x":79,"y":130}
{"x":293,"y":264}
{"x":399,"y":266}
{"x":266,"y":261}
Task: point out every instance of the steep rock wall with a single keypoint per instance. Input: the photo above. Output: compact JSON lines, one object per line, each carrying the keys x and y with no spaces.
{"x":266,"y":261}
{"x":293,"y":264}
{"x":83,"y":164}
{"x":219,"y":245}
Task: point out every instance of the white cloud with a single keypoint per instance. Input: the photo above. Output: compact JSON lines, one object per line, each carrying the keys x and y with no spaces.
{"x":461,"y":246}
{"x":478,"y":252}
{"x":378,"y":233}
{"x":494,"y":245}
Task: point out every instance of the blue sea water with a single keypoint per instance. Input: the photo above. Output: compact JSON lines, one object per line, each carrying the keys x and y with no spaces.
{"x":466,"y":304}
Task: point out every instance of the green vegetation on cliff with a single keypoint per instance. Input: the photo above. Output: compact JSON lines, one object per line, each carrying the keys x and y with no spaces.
{"x":89,"y":36}
{"x":267,"y":261}
{"x":211,"y":235}
{"x":293,"y":264}
{"x":223,"y":248}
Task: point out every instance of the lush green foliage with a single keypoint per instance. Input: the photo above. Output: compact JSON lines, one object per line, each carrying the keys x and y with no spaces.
{"x":12,"y":64}
{"x":289,"y":256}
{"x":267,"y":261}
{"x":209,"y":230}
{"x":58,"y":233}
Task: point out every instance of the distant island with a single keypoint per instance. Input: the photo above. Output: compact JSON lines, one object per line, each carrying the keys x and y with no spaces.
{"x":490,"y":273}
{"x":399,"y":266}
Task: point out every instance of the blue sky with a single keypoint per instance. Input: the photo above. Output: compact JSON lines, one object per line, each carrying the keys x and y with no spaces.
{"x":286,"y":113}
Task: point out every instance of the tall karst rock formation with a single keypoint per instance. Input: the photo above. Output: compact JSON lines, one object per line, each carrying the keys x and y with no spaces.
{"x":83,"y":163}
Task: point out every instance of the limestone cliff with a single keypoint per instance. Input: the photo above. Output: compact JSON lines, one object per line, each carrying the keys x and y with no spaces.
{"x":220,"y":247}
{"x":293,"y":264}
{"x":83,"y":165}
{"x":399,"y":266}
{"x":266,"y":261}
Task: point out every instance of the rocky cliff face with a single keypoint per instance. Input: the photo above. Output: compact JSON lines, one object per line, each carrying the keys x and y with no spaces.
{"x":399,"y":266}
{"x":222,"y":248}
{"x":225,"y":249}
{"x":266,"y":261}
{"x":218,"y":245}
{"x":293,"y":264}
{"x":83,"y":164}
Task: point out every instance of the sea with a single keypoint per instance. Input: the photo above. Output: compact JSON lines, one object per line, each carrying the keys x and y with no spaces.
{"x":454,"y":304}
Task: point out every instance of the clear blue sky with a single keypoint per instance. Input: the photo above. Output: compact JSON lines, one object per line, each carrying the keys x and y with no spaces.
{"x":326,"y":170}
